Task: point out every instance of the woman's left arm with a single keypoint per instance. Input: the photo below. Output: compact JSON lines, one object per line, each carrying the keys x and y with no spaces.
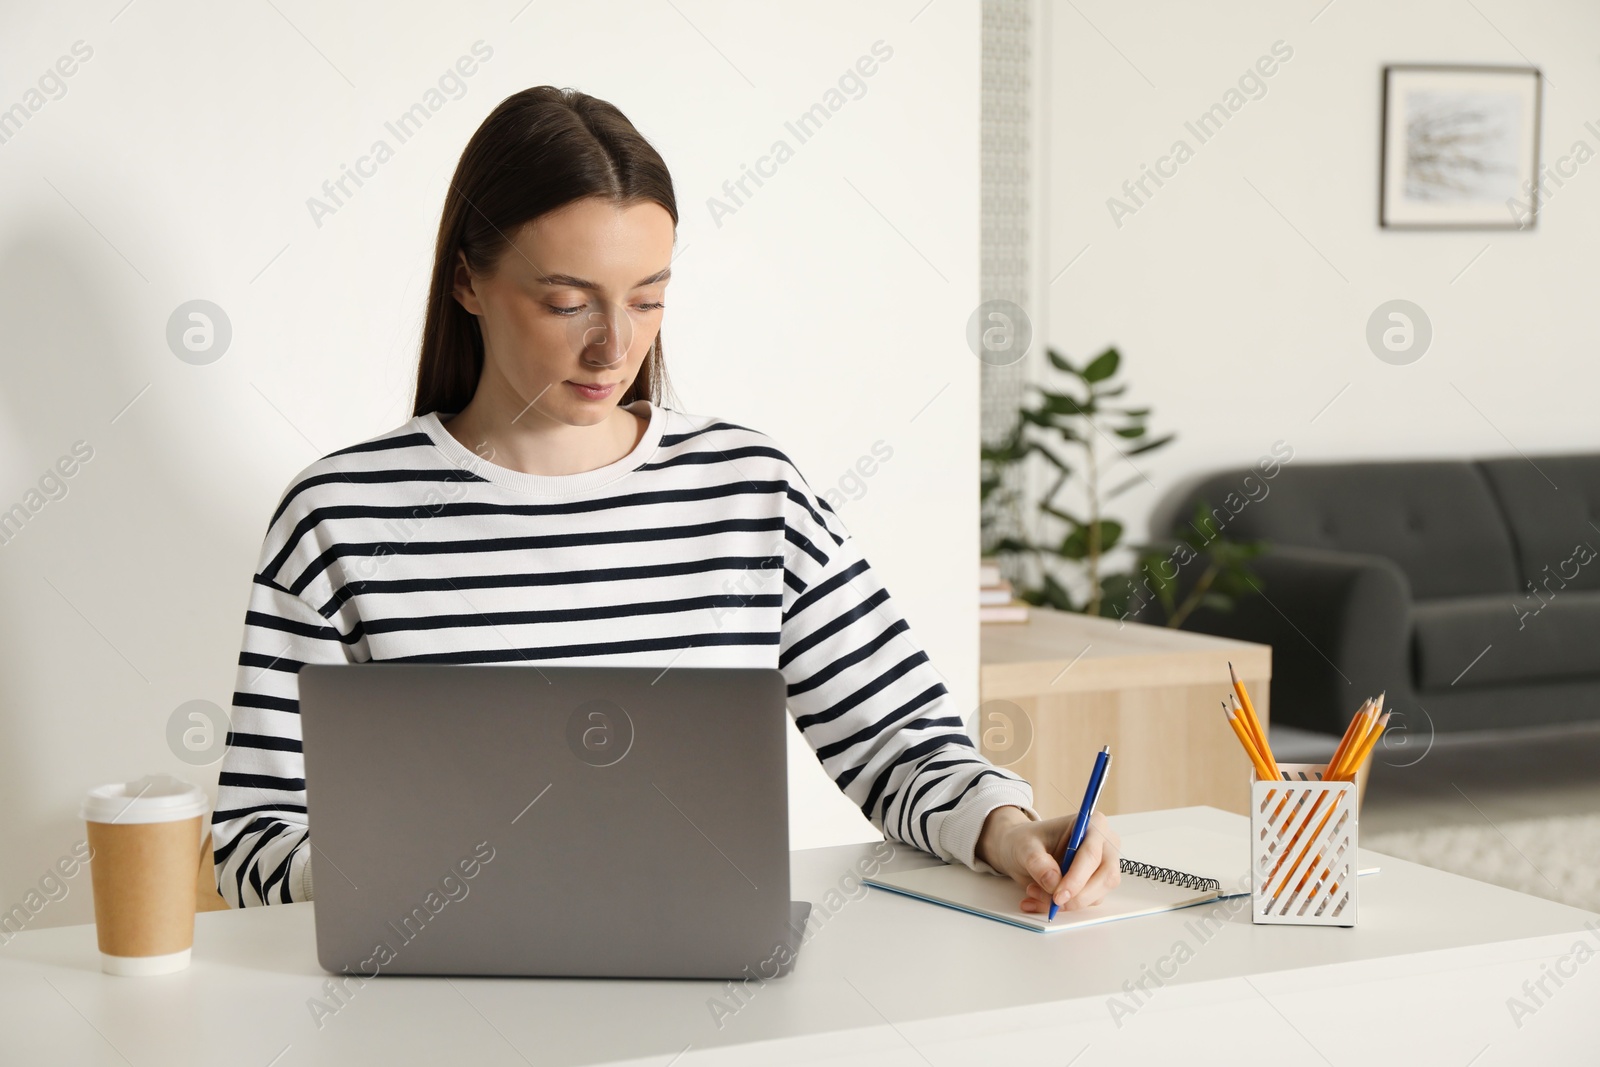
{"x":871,"y":705}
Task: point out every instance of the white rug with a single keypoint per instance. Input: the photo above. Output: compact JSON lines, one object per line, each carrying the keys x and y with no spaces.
{"x":1557,"y":858}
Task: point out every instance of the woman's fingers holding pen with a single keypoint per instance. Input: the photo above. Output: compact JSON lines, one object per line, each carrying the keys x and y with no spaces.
{"x":1037,"y":866}
{"x":1095,"y":871}
{"x":1044,"y":870}
{"x":1034,"y":864}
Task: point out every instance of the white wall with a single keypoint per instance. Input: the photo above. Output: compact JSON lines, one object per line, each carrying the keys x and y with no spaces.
{"x":1238,"y":329}
{"x":828,"y":311}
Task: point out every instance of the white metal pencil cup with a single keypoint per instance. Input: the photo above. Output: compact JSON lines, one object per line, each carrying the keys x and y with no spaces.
{"x":1303,"y":848}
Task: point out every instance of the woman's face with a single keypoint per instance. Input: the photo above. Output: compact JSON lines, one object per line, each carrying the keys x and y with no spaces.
{"x":575,"y":301}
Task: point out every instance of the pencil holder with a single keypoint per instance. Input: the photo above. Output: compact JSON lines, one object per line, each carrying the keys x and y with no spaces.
{"x":1303,"y":848}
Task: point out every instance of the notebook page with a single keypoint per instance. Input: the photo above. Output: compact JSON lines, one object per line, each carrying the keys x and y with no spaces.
{"x":999,"y":898}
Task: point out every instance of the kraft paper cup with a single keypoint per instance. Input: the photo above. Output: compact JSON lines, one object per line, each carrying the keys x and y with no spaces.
{"x":144,"y":848}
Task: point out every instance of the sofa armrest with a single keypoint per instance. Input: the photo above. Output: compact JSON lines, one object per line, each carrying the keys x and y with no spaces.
{"x":1339,"y":624}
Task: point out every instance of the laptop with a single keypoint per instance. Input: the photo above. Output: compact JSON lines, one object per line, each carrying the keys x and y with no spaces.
{"x":623,"y":822}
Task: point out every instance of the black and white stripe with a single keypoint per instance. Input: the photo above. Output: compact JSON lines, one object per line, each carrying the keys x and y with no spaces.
{"x":703,"y":547}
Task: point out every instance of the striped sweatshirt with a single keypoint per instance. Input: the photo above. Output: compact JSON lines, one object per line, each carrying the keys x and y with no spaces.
{"x":703,"y":546}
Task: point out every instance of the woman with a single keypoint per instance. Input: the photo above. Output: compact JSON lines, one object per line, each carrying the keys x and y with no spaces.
{"x":543,"y":506}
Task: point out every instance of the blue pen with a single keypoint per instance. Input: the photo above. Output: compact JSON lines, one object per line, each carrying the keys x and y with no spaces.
{"x":1091,"y":797}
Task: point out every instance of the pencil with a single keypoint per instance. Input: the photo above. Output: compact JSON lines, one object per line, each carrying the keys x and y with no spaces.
{"x":1358,"y":731}
{"x":1329,"y":775}
{"x":1353,"y":763}
{"x":1253,"y":722}
{"x":1312,"y":840}
{"x":1243,"y":734}
{"x":1361,"y":733}
{"x":1351,"y":731}
{"x":1356,"y":743}
{"x":1252,"y":728}
{"x":1295,"y":840}
{"x":1315,"y":863}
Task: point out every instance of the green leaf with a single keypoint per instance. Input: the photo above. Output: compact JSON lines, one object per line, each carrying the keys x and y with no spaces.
{"x":1130,"y":431}
{"x":1038,"y":418}
{"x":1116,"y":581}
{"x":1103,"y":366}
{"x":1055,"y":595}
{"x":1059,"y":424}
{"x":1231,"y":583}
{"x":1061,"y":404}
{"x":1122,"y":487}
{"x":1075,"y":546}
{"x":1059,"y":362}
{"x":1150,"y":446}
{"x":1064,"y":516}
{"x":1202,"y":527}
{"x":1010,"y":452}
{"x":1056,"y":512}
{"x":1110,"y":534}
{"x":1052,"y":458}
{"x":1116,"y":593}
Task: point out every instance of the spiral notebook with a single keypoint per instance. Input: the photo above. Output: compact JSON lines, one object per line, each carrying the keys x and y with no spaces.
{"x":1162,"y":870}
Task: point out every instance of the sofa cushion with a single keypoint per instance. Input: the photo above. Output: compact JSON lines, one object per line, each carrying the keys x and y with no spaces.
{"x":1505,"y":640}
{"x":1438,"y":520}
{"x":1552,"y":506}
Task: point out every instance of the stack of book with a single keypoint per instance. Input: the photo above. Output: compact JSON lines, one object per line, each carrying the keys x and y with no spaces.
{"x":996,"y":601}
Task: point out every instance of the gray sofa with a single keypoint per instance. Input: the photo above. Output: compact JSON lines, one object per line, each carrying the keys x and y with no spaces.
{"x":1468,"y":590}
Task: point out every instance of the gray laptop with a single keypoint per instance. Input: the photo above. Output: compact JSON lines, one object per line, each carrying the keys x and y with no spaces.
{"x":549,"y":821}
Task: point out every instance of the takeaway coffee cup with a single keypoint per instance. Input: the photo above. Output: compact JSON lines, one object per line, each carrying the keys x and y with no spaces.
{"x":144,"y":848}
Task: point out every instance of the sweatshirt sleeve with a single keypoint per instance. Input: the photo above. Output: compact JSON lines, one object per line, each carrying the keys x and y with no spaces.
{"x":869,"y":702}
{"x":260,"y":839}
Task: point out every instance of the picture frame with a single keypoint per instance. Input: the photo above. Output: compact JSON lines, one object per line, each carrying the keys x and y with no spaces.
{"x":1460,"y":147}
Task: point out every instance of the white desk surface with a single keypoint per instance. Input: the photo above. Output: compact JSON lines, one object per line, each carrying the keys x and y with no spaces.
{"x":1427,"y":976}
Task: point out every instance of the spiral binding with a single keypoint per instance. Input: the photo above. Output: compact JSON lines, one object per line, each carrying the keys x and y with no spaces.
{"x":1171,"y":877}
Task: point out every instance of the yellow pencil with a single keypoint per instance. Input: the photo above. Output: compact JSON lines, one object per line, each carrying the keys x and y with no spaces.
{"x":1256,"y":734}
{"x":1353,"y":764}
{"x":1253,"y":723}
{"x":1317,"y":861}
{"x":1316,"y":804}
{"x":1367,"y":725}
{"x":1295,"y":866}
{"x":1362,"y":726}
{"x":1351,"y":731}
{"x":1262,"y":771}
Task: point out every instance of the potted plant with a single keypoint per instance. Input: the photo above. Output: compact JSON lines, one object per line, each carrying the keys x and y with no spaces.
{"x":1083,"y":432}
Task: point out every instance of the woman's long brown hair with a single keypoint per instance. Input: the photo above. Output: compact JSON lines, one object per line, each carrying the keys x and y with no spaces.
{"x":538,"y":150}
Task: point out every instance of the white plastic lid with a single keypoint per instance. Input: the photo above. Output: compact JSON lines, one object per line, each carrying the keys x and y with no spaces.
{"x":153,"y":798}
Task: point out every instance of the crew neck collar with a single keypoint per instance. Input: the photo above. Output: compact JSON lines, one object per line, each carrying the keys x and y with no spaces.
{"x":550,"y":485}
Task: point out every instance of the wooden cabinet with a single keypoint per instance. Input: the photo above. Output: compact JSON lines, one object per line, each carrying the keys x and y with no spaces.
{"x":1056,"y":688}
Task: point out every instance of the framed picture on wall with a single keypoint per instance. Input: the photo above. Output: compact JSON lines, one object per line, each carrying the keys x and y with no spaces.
{"x":1460,"y":148}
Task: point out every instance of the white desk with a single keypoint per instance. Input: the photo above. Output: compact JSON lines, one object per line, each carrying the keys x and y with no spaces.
{"x":1423,"y":979}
